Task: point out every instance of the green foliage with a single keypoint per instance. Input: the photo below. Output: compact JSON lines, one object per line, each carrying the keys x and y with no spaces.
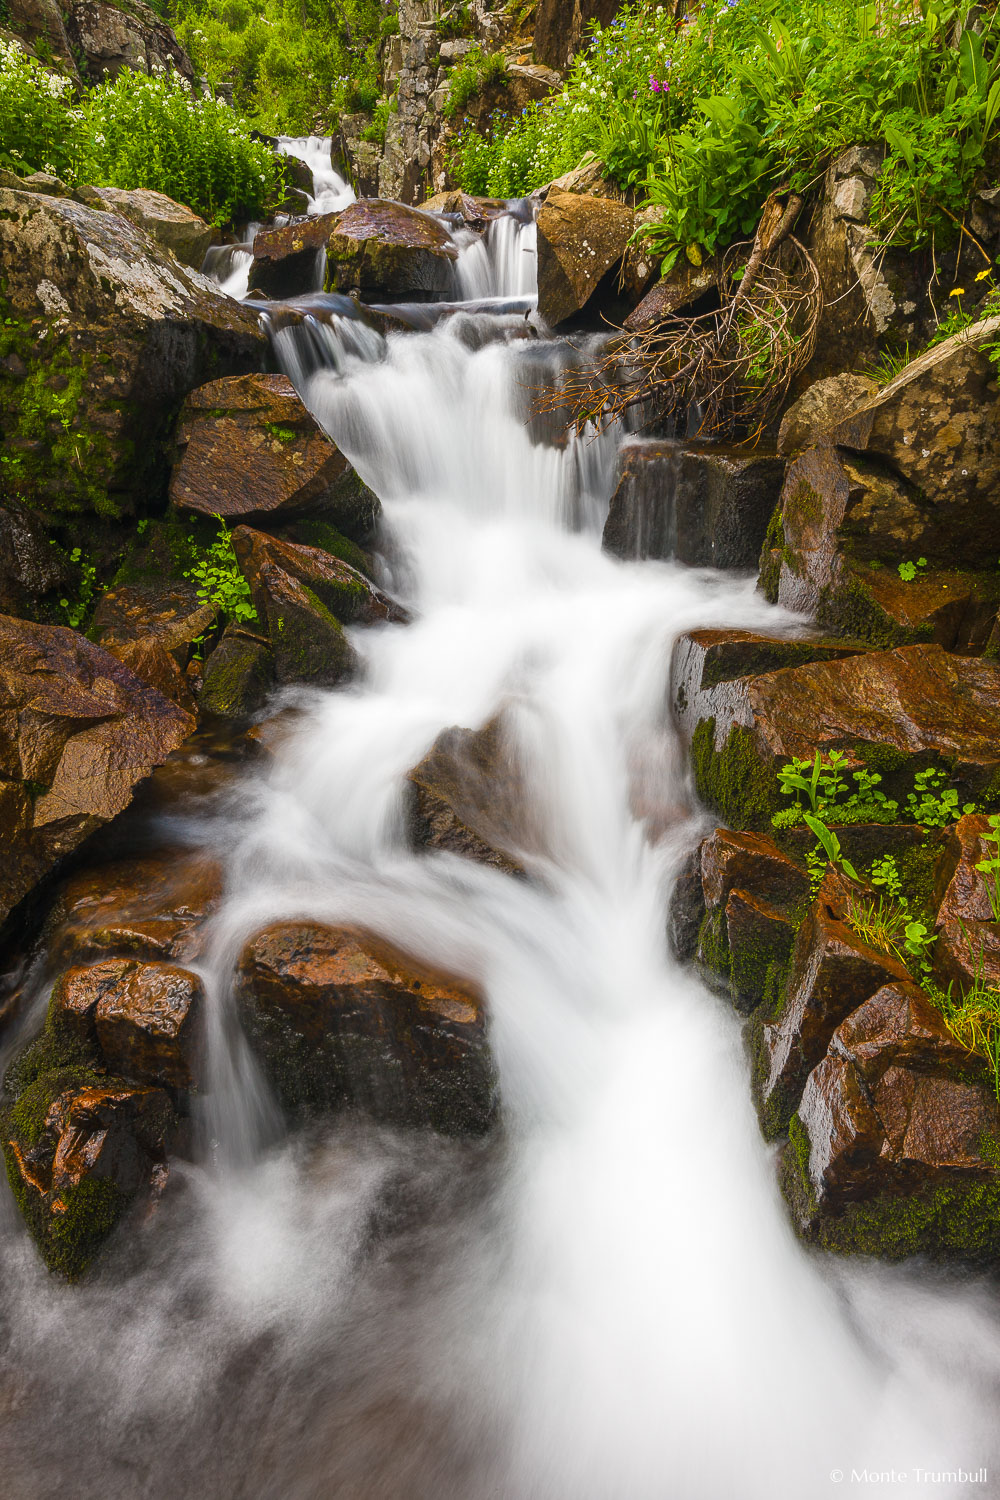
{"x":474,"y":73}
{"x":908,"y":570}
{"x":931,"y":804}
{"x":973,"y":1018}
{"x":294,"y":66}
{"x":79,"y":608}
{"x":990,"y":868}
{"x":134,"y":132}
{"x":706,"y":118}
{"x":219,"y":580}
{"x":824,"y":784}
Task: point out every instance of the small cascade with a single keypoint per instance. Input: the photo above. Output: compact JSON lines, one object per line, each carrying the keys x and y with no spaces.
{"x":330,"y":192}
{"x":229,"y":265}
{"x":501,"y":263}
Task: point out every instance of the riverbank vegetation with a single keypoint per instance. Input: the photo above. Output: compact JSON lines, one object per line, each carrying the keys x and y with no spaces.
{"x":134,"y":132}
{"x":704,"y":118}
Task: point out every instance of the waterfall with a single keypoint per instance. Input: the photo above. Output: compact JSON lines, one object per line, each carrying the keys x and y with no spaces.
{"x":501,"y":263}
{"x":330,"y":192}
{"x":606,"y":1302}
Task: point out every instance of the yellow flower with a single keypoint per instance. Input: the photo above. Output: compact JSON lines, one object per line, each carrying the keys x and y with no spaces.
{"x":983,"y":274}
{"x":958,"y":292}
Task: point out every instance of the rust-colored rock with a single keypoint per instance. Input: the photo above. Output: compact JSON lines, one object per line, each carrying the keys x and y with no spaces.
{"x":345,"y":592}
{"x":832,"y":973}
{"x":97,"y":1144}
{"x":468,"y":798}
{"x":248,"y":448}
{"x":752,"y":861}
{"x":897,"y":1027}
{"x":78,"y":731}
{"x":340,"y":1019}
{"x":288,"y":261}
{"x":968,"y":935}
{"x":379,"y":248}
{"x":151,"y":631}
{"x":147,"y":1024}
{"x":152,"y":906}
{"x":579,"y":239}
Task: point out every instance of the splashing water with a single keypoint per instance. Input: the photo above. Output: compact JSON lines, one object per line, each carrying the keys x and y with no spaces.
{"x":330,"y":192}
{"x":606,"y":1302}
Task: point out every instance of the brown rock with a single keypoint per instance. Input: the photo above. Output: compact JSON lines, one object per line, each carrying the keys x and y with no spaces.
{"x":308,"y":643}
{"x":110,"y":39}
{"x":248,"y":448}
{"x":40,"y":25}
{"x":341,"y":1019}
{"x":682,"y":286}
{"x":152,"y":906}
{"x":579,"y":239}
{"x":289,"y":261}
{"x":559,"y":27}
{"x":968,"y":936}
{"x":752,"y":861}
{"x":833,"y":972}
{"x":759,"y":938}
{"x":172,"y":615}
{"x":897,"y":1027}
{"x":844,"y":1132}
{"x":468,"y":798}
{"x":808,"y":420}
{"x":385,"y":249}
{"x":78,"y":731}
{"x":345,"y":592}
{"x":147,"y":1024}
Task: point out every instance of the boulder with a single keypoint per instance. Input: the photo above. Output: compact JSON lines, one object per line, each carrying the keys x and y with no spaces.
{"x":351,"y":597}
{"x":752,"y":897}
{"x":289,"y":261}
{"x":467,"y":797}
{"x":308,"y":643}
{"x":341,"y":1020}
{"x":701,"y":504}
{"x":968,"y":935}
{"x":379,"y":248}
{"x":152,"y":631}
{"x":682,"y":286}
{"x":109,"y":38}
{"x":822,"y":406}
{"x":152,"y":906}
{"x":898,"y":710}
{"x":30,"y":566}
{"x":841,"y":526}
{"x":897,"y":1027}
{"x":103,"y":337}
{"x":79,"y":1148}
{"x":832,"y":972}
{"x":579,"y":239}
{"x":148,"y":1023}
{"x":238,"y":675}
{"x":40,"y":26}
{"x":78,"y":732}
{"x":248,"y":449}
{"x":170,"y":224}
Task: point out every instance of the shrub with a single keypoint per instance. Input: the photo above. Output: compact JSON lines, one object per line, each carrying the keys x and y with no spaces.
{"x":474,"y":73}
{"x":154,"y":133}
{"x":39,"y":128}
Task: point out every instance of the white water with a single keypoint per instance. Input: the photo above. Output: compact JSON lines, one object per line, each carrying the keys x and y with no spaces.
{"x":607,"y":1305}
{"x":330,"y":192}
{"x":500,"y":263}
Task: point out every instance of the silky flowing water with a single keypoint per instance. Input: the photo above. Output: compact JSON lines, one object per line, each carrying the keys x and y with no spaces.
{"x":605,"y":1301}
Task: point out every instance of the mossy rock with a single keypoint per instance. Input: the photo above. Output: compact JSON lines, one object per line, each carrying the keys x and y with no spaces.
{"x":731,"y":779}
{"x":325,"y":536}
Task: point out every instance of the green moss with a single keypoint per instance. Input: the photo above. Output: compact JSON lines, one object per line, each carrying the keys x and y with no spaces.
{"x":850,"y":609}
{"x":771,"y":556}
{"x":239,"y":675}
{"x":882,"y":758}
{"x":321,"y":534}
{"x":945,"y":1223}
{"x":280,"y":434}
{"x":732,"y":780}
{"x":53,"y":1050}
{"x":161,"y":550}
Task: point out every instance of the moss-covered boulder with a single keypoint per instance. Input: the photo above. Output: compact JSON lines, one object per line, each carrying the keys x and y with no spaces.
{"x":102,"y":335}
{"x":80,"y":1147}
{"x":249,"y":450}
{"x":238,"y":675}
{"x":342,"y":1020}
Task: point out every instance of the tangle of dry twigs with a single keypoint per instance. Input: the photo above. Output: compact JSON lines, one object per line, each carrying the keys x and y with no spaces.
{"x":731,"y":366}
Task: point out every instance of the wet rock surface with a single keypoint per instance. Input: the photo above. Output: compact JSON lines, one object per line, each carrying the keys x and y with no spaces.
{"x":378,"y":247}
{"x":341,"y":1020}
{"x":249,"y":449}
{"x":467,"y":798}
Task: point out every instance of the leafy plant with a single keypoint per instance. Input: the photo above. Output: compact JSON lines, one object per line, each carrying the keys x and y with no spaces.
{"x":973,"y":1018}
{"x":219,"y":579}
{"x":930,"y":804}
{"x":78,"y":608}
{"x":830,"y":845}
{"x":823,"y":781}
{"x":40,"y":128}
{"x":472,"y":75}
{"x":990,"y":868}
{"x":908,"y":570}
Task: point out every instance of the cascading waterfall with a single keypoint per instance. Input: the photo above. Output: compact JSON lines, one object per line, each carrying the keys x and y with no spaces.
{"x":605,"y":1303}
{"x":330,"y":192}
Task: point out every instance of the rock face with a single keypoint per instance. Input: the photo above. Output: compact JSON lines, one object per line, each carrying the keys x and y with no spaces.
{"x":680,"y":288}
{"x":78,"y":731}
{"x":820,"y":408}
{"x":380,"y":248}
{"x":903,"y":709}
{"x":968,"y":934}
{"x":340,"y":1020}
{"x":249,"y":449}
{"x":349,"y":596}
{"x":290,"y":260}
{"x":170,"y":224}
{"x":152,"y":631}
{"x":704,"y":506}
{"x":468,"y":798}
{"x":30,"y":567}
{"x":110,"y":38}
{"x":579,"y":240}
{"x":40,"y":25}
{"x":103,"y":337}
{"x":560,"y":26}
{"x":238,"y":675}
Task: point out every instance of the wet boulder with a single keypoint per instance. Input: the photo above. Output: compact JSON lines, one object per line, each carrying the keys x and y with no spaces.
{"x":104,"y":335}
{"x":351,"y":597}
{"x":78,"y":732}
{"x":151,"y":906}
{"x":249,"y":450}
{"x":967,"y":950}
{"x":894,"y":1146}
{"x":340,"y":1020}
{"x":467,"y":797}
{"x":289,"y":260}
{"x":79,"y":1148}
{"x":832,"y":972}
{"x":703,"y":505}
{"x":152,"y":631}
{"x":379,"y":248}
{"x":580,"y":239}
{"x":238,"y":675}
{"x":752,"y":896}
{"x":173,"y":226}
{"x":900,"y":710}
{"x":109,"y":38}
